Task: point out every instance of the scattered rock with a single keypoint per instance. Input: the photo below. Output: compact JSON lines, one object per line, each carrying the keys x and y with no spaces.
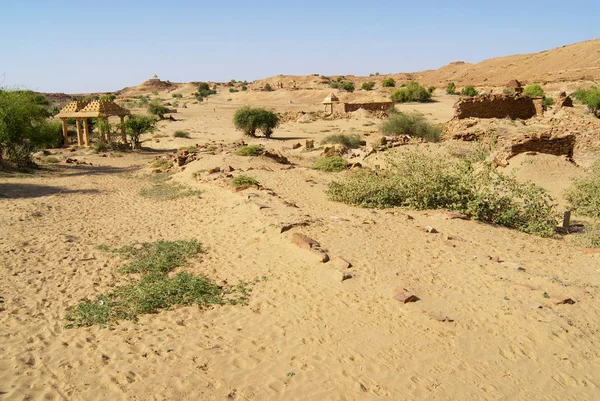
{"x":335,"y":150}
{"x":228,"y":169}
{"x":440,"y":317}
{"x":431,"y":230}
{"x":566,"y":301}
{"x":341,"y":263}
{"x":496,"y":259}
{"x":346,"y":276}
{"x":402,"y":295}
{"x":305,"y":242}
{"x":310,"y":144}
{"x":214,"y":170}
{"x":288,"y":227}
{"x":297,"y":146}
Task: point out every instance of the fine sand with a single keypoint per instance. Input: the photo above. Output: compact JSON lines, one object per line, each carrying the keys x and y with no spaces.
{"x":483,"y":328}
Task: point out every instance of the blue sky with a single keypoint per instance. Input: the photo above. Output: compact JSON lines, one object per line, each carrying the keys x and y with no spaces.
{"x":88,"y":46}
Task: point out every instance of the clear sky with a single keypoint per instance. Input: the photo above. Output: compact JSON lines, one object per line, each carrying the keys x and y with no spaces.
{"x":104,"y":45}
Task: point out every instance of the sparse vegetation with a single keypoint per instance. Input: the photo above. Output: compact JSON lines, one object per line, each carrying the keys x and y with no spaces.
{"x":204,"y":91}
{"x":591,"y":98}
{"x":155,"y":290}
{"x":177,"y":95}
{"x":469,"y":90}
{"x":534,"y":90}
{"x":351,"y":141}
{"x":242,"y":180}
{"x":330,"y":164}
{"x":157,"y":109}
{"x":136,"y":125}
{"x":162,"y":163}
{"x":430,"y":89}
{"x":249,"y":120}
{"x":451,"y":88}
{"x":348,"y":86}
{"x":163,"y":190}
{"x":181,"y":134}
{"x":411,"y":92}
{"x":367,"y":86}
{"x":413,"y":124}
{"x":108,"y":97}
{"x":249,"y":150}
{"x":584,"y":196}
{"x":418,"y":179}
{"x":388,"y":83}
{"x":268,"y":88}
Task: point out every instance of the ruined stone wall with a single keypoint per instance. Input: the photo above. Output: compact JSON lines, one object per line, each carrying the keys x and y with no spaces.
{"x":498,"y":106}
{"x":553,"y":141}
{"x":378,"y":106}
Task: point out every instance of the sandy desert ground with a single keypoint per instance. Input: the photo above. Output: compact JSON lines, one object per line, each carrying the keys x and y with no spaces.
{"x":483,"y":329}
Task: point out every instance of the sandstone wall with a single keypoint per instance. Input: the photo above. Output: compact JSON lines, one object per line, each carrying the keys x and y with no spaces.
{"x":498,"y":106}
{"x":553,"y":141}
{"x":378,"y":106}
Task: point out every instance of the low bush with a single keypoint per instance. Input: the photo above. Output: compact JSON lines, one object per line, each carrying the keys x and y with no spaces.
{"x":233,"y":90}
{"x":204,"y":91}
{"x":411,"y":92}
{"x":136,"y":125}
{"x":469,"y":90}
{"x":177,"y":95}
{"x":157,"y":109}
{"x":367,"y":86}
{"x":534,"y":90}
{"x":241,"y":180}
{"x":430,"y":89}
{"x":163,"y":191}
{"x":181,"y":134}
{"x":421,"y":180}
{"x":249,"y":120}
{"x":413,"y":124}
{"x":591,"y":98}
{"x":348,"y":86}
{"x":330,"y":164}
{"x":157,"y":257}
{"x":351,"y":141}
{"x":388,"y":83}
{"x":249,"y":150}
{"x":584,"y":195}
{"x":451,"y":88}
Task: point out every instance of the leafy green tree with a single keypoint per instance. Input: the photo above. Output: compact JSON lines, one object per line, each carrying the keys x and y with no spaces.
{"x":591,"y":98}
{"x":157,"y":109}
{"x":249,"y":120}
{"x":24,"y":127}
{"x":388,"y":83}
{"x":136,"y":125}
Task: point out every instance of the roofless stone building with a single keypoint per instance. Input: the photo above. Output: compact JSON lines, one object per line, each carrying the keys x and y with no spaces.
{"x":81,"y":110}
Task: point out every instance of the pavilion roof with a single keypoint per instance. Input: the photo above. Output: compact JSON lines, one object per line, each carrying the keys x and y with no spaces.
{"x":330,"y":99}
{"x":94,"y":108}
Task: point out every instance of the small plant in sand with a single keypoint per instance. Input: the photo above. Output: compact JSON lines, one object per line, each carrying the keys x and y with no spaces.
{"x":351,"y":141}
{"x":330,"y":164}
{"x":348,"y":86}
{"x":419,"y":179}
{"x":388,"y":83}
{"x":249,"y":150}
{"x":176,"y":95}
{"x":243,"y":180}
{"x":411,"y":92}
{"x":181,"y":134}
{"x":469,"y":90}
{"x":584,"y":196}
{"x":156,"y":289}
{"x":589,"y":237}
{"x":451,"y":88}
{"x":430,"y":89}
{"x":534,"y":90}
{"x":367,"y":86}
{"x":249,"y":120}
{"x":413,"y":124}
{"x":268,"y":88}
{"x":162,"y":164}
{"x":163,"y":191}
{"x":204,"y":91}
{"x":50,"y":160}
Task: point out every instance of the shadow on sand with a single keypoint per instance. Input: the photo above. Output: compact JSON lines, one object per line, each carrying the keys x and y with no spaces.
{"x":18,"y":190}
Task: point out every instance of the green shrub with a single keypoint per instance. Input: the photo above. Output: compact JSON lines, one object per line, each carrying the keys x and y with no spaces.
{"x":157,"y":109}
{"x":244,"y":88}
{"x":177,"y":95}
{"x":469,"y":90}
{"x":249,"y":120}
{"x":534,"y":90}
{"x":451,"y":88}
{"x":591,"y":98}
{"x":204,"y":91}
{"x":430,"y":89}
{"x":157,"y":257}
{"x":330,"y":164}
{"x":413,"y":124}
{"x":351,"y":141}
{"x":268,"y":88}
{"x":249,"y":150}
{"x":508,"y":91}
{"x":109,"y":96}
{"x":136,"y":125}
{"x":411,"y":92}
{"x":181,"y":134}
{"x":348,"y":86}
{"x":420,"y":180}
{"x":547,"y":102}
{"x":367,"y":86}
{"x":166,"y":191}
{"x":388,"y":83}
{"x":242,"y":180}
{"x":233,"y":90}
{"x":584,"y":196}
{"x":24,"y":127}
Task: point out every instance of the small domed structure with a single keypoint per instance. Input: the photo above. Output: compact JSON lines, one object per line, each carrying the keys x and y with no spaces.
{"x":154,"y":78}
{"x":329,"y":101}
